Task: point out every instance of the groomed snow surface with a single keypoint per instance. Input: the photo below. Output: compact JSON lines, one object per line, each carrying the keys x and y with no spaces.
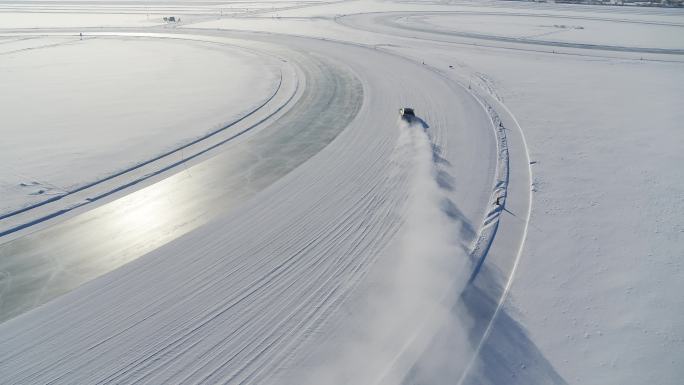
{"x":321,"y":239}
{"x":92,"y":107}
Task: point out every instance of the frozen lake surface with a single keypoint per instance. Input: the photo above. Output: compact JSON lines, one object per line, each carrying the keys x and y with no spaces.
{"x":85,"y":109}
{"x":290,"y":228}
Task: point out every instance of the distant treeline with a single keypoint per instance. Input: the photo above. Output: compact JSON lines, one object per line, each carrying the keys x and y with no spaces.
{"x":637,"y":3}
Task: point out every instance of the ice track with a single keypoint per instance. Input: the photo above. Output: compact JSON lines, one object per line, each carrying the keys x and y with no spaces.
{"x":184,"y":201}
{"x":233,"y":301}
{"x":91,"y":193}
{"x":420,"y":25}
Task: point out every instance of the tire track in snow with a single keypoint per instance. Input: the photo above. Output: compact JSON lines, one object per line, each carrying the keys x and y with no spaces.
{"x":266,"y":287}
{"x":431,"y":253}
{"x":198,"y":146}
{"x":499,"y":114}
{"x":526,"y":184}
{"x":390,"y":19}
{"x":24,"y":253}
{"x":237,"y":301}
{"x":351,"y":21}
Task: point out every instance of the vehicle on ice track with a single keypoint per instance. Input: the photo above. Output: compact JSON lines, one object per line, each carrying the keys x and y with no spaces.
{"x":407,"y":114}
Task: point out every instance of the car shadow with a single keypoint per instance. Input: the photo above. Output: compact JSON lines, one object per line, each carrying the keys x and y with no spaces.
{"x":446,"y":182}
{"x":420,"y":122}
{"x":508,"y":356}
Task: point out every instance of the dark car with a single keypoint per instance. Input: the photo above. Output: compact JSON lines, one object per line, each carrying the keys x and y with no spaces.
{"x":407,"y":114}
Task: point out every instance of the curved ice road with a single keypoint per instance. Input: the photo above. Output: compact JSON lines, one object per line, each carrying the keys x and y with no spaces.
{"x":42,"y":265}
{"x":299,"y":214}
{"x":421,"y":25}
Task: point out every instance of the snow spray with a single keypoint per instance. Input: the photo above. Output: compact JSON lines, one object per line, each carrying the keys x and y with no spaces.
{"x":411,"y":293}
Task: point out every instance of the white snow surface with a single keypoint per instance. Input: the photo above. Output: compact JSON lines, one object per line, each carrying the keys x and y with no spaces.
{"x":106,"y":104}
{"x":600,"y":31}
{"x":383,"y":258}
{"x":62,"y":20}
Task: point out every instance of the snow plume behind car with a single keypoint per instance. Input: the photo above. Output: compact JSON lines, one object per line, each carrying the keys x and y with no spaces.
{"x":413,"y":287}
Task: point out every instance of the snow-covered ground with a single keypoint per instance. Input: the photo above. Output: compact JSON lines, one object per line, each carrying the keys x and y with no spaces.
{"x":336,"y":244}
{"x":600,"y":31}
{"x":82,"y":110}
{"x":595,"y":287}
{"x":69,"y":20}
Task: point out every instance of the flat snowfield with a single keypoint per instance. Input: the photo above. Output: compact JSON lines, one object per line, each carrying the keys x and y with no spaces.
{"x":232,"y":197}
{"x":93,"y":107}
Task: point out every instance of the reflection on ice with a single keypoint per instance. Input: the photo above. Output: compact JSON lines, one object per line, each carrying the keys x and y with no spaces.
{"x":48,"y":263}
